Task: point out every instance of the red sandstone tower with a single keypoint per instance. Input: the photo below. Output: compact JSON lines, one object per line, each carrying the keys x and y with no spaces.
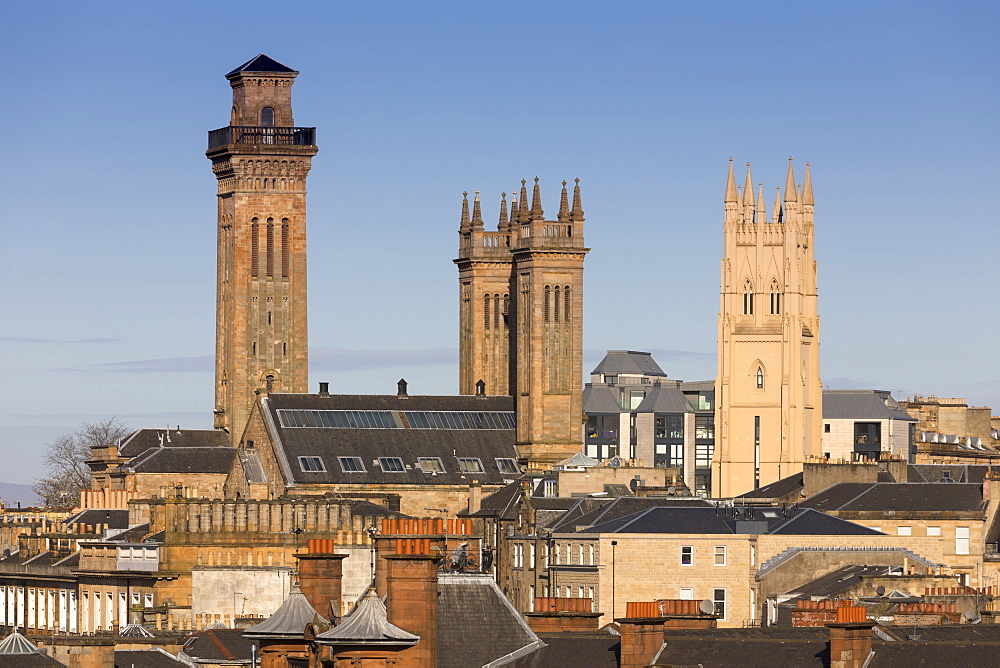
{"x":261,"y":161}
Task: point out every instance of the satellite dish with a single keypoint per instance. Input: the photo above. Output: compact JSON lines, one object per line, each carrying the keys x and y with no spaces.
{"x":671,"y":490}
{"x":880,"y":590}
{"x":970,"y":615}
{"x":706,"y":607}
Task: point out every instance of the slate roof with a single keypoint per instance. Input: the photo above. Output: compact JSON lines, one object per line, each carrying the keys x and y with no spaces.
{"x":501,"y":503}
{"x":862,"y":405}
{"x":629,"y":362}
{"x":599,"y":399}
{"x":589,"y":512}
{"x":837,"y":581}
{"x":663,"y":399}
{"x":956,"y":472}
{"x":776,"y":489}
{"x":289,"y":620}
{"x":899,"y":496}
{"x":146,"y":658}
{"x":219,"y":645}
{"x":594,"y":650}
{"x":410,"y":444}
{"x":29,"y":661}
{"x":367,"y":625}
{"x":477,"y":624}
{"x":113,"y":519}
{"x":261,"y":63}
{"x":144,"y":439}
{"x":694,"y":520}
{"x":184,"y":460}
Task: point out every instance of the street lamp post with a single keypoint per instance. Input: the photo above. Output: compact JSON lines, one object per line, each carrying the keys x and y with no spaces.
{"x":614,"y":544}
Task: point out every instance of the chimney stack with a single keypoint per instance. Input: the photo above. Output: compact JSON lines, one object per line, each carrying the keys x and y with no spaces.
{"x":401,"y":388}
{"x":850,"y":638}
{"x":320,"y":577}
{"x":411,"y":604}
{"x":324,"y":389}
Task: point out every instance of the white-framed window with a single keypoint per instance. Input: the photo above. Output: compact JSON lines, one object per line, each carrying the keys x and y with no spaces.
{"x":719,"y":600}
{"x":531,"y":598}
{"x":531,"y":555}
{"x":720,"y":555}
{"x":352,"y":464}
{"x":961,"y":540}
{"x":590,"y":595}
{"x":933,"y":531}
{"x":545,"y":556}
{"x":470,"y":465}
{"x":430,"y":464}
{"x":549,"y":488}
{"x":687,"y":555}
{"x":566,"y":592}
{"x":590,"y":555}
{"x":579,"y":592}
{"x":579,"y":552}
{"x":312,"y":464}
{"x":392,"y":465}
{"x":686,"y":594}
{"x":904,"y":531}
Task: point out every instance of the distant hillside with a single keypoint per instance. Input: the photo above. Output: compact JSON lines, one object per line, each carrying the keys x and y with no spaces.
{"x":11,"y":494}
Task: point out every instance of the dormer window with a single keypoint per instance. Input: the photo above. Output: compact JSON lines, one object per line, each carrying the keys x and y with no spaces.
{"x":267,"y":117}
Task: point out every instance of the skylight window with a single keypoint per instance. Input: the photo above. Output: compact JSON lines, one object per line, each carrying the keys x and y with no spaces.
{"x":352,"y":464}
{"x":470,"y":465}
{"x":431,"y":465}
{"x":507,"y":465}
{"x":391,"y":465}
{"x":311,"y":464}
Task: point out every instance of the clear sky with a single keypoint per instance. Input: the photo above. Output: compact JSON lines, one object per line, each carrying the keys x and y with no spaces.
{"x":108,"y":212}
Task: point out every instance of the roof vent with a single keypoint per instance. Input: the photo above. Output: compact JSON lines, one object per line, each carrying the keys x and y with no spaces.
{"x":324,"y":389}
{"x":480,"y":388}
{"x":401,"y":388}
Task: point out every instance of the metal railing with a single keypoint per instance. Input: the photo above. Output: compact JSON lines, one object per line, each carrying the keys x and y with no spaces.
{"x":262,"y":135}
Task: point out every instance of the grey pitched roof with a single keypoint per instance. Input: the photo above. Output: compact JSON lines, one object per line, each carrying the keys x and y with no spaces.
{"x":261,"y":63}
{"x":899,"y":496}
{"x":594,"y":650}
{"x":114,"y":519}
{"x":501,"y":503}
{"x":599,"y":399}
{"x":663,"y":399}
{"x":289,"y":620}
{"x":409,"y":444}
{"x":477,"y":624}
{"x":184,"y":460}
{"x":146,"y":658}
{"x":219,"y":644}
{"x":862,"y":405}
{"x":590,"y":512}
{"x":29,"y":661}
{"x":764,"y":520}
{"x":367,"y":625}
{"x":629,"y":361}
{"x":144,"y":439}
{"x":776,"y":489}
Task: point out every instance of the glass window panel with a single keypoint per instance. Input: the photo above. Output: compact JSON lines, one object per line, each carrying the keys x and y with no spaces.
{"x":431,"y":465}
{"x":352,"y":464}
{"x":507,"y":465}
{"x":392,"y":465}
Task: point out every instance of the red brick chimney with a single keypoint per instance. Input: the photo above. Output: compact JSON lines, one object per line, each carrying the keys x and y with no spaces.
{"x":411,"y":599}
{"x":320,"y":577}
{"x":850,"y":638}
{"x":642,"y":629}
{"x":563,"y":615}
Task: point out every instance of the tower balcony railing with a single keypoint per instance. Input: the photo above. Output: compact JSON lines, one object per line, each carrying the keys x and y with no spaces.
{"x":261,"y":135}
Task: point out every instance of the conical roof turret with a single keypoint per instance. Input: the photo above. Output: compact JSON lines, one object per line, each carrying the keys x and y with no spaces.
{"x":288,"y":621}
{"x":368,"y":625}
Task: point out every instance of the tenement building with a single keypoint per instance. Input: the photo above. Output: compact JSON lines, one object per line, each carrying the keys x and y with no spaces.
{"x":521,"y":318}
{"x":768,"y":392}
{"x":261,"y":161}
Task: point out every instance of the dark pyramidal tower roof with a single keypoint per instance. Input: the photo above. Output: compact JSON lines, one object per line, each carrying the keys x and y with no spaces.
{"x":261,"y":63}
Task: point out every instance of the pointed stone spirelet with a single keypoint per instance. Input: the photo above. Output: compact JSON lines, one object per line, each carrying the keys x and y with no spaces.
{"x":477,"y":215}
{"x":761,"y":209}
{"x":748,"y":191}
{"x":515,"y":207}
{"x":731,"y":195}
{"x":503,"y":224}
{"x":465,"y":211}
{"x":563,"y":204}
{"x":807,"y":188}
{"x":577,"y":213}
{"x":536,"y":202}
{"x":776,"y":213}
{"x":790,"y":195}
{"x":524,"y":212}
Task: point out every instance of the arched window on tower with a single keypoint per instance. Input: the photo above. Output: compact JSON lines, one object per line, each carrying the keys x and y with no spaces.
{"x":267,"y":117}
{"x":254,"y":247}
{"x":775,"y":298}
{"x":486,"y":311}
{"x":566,"y":294}
{"x":546,"y":306}
{"x":269,"y":382}
{"x":748,"y":298}
{"x":760,"y":377}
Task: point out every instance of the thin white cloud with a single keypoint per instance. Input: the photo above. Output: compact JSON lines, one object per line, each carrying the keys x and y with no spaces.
{"x":28,"y":339}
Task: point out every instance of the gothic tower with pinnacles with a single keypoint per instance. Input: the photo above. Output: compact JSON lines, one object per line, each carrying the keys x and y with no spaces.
{"x":768,"y":393}
{"x":261,"y":161}
{"x":521,"y":318}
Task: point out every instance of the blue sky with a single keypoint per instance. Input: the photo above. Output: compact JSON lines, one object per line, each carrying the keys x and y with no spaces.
{"x":108,"y":216}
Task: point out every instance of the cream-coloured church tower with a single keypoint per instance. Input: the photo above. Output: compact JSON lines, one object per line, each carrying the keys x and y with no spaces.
{"x":768,"y":395}
{"x":260,"y":161}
